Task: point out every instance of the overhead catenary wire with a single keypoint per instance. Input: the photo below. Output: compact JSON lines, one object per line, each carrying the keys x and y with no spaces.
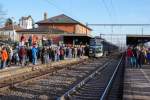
{"x":62,"y":10}
{"x":107,"y":9}
{"x":58,"y":8}
{"x":114,"y":10}
{"x":51,"y":3}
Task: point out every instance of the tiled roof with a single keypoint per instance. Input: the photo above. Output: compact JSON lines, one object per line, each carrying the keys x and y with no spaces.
{"x":42,"y":30}
{"x":61,"y":19}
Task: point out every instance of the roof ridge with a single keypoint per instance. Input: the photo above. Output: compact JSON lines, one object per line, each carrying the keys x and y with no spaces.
{"x":65,"y":19}
{"x":55,"y":17}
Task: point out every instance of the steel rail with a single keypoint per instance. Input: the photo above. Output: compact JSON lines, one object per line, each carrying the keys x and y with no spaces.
{"x":105,"y":93}
{"x":67,"y":94}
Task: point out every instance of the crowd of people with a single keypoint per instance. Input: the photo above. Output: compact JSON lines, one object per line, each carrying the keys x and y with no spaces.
{"x":136,"y":56}
{"x":24,"y":55}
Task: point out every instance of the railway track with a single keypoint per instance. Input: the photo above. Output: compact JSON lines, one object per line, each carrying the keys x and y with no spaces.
{"x":51,"y":85}
{"x":28,"y":72}
{"x":104,"y":84}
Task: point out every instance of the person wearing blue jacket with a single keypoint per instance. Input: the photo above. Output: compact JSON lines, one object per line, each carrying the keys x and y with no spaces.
{"x":148,"y":57}
{"x":34,"y":55}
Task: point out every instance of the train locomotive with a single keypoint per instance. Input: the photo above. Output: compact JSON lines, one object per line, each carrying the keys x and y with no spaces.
{"x":99,"y":47}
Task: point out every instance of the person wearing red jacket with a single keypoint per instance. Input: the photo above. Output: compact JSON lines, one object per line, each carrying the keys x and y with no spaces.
{"x":4,"y":55}
{"x":22,"y":55}
{"x":129,"y":55}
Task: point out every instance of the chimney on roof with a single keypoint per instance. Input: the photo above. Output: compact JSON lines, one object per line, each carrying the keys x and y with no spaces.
{"x":45,"y":15}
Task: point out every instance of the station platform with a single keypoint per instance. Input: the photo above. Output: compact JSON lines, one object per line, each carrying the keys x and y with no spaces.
{"x":137,"y":83}
{"x":16,"y":70}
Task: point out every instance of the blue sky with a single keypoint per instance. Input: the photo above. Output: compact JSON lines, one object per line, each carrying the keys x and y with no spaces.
{"x":91,"y":11}
{"x":86,"y":11}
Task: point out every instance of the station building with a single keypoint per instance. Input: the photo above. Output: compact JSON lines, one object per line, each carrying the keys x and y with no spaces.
{"x":137,"y":39}
{"x":10,"y":32}
{"x":61,"y":28}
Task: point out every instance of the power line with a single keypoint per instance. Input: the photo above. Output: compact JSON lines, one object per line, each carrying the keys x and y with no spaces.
{"x":114,"y":10}
{"x":109,"y":13}
{"x":107,"y":9}
{"x":60,"y":9}
{"x":48,"y":1}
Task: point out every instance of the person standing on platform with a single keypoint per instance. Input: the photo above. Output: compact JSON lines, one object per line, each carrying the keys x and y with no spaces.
{"x":0,"y":57}
{"x":47,"y":55}
{"x":8,"y":52}
{"x":16,"y":57}
{"x":129,"y":56}
{"x":34,"y":55}
{"x":86,"y":51}
{"x":58,"y":53}
{"x":61,"y":53}
{"x":148,"y":56}
{"x":4,"y":58}
{"x":53,"y":54}
{"x":139,"y":58}
{"x":30,"y":40}
{"x":42,"y":56}
{"x":73,"y":52}
{"x":67,"y":52}
{"x":78,"y":52}
{"x":22,"y":55}
{"x":70,"y":52}
{"x":134,"y":57}
{"x":11,"y":55}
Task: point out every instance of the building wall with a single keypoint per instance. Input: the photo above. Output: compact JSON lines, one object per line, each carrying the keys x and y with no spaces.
{"x":27,"y":35}
{"x":26,"y":23}
{"x":81,"y":29}
{"x":10,"y":34}
{"x":56,"y":38}
{"x":70,"y":28}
